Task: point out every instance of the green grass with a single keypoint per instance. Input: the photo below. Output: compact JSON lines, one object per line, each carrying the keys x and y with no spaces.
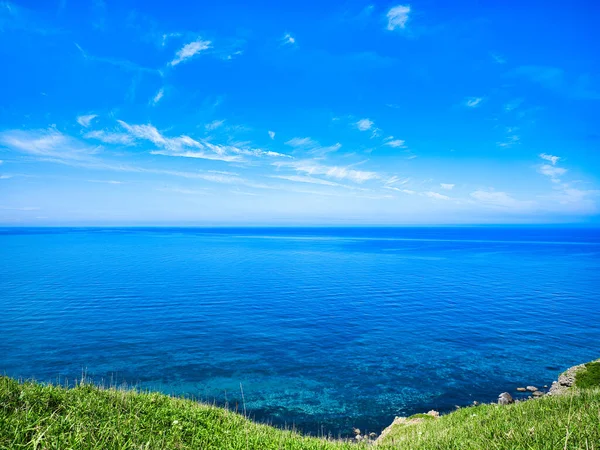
{"x":37,"y":416}
{"x":589,"y":377}
{"x":421,"y":416}
{"x":571,"y":421}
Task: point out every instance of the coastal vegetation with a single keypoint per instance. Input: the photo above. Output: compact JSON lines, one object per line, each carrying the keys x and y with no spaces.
{"x":44,"y":416}
{"x":589,"y":377}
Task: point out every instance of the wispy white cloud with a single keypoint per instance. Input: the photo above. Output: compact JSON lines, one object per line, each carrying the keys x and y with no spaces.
{"x":258,"y":152}
{"x":178,"y":190}
{"x":86,"y":119}
{"x":447,"y":186}
{"x":364,"y":124}
{"x":197,"y":155}
{"x":120,"y":63}
{"x":404,"y":191}
{"x":166,"y":36}
{"x":397,"y":17}
{"x":230,"y":56}
{"x":61,"y":149}
{"x":305,"y":179}
{"x":395,"y":180}
{"x":396,"y":143}
{"x":187,"y":147}
{"x":509,"y":141}
{"x":436,"y":195}
{"x":272,"y":134}
{"x":580,"y":198}
{"x":179,"y":146}
{"x":214,"y":125}
{"x":302,"y":142}
{"x":106,"y":181}
{"x":110,"y":137}
{"x":552,"y":171}
{"x":312,"y":167}
{"x":553,"y":159}
{"x":159,"y":95}
{"x":46,"y":143}
{"x":189,"y":50}
{"x":499,"y":200}
{"x":473,"y":102}
{"x":498,"y":58}
{"x":20,"y":208}
{"x":312,"y":146}
{"x":288,"y":39}
{"x":513,"y":104}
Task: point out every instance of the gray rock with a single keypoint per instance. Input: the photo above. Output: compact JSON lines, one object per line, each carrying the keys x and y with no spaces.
{"x":538,"y":394}
{"x":565,"y":380}
{"x":532,"y":388}
{"x":505,"y":399}
{"x":521,"y":389}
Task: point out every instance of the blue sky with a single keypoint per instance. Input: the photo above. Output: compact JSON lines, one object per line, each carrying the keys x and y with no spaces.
{"x":354,"y":112}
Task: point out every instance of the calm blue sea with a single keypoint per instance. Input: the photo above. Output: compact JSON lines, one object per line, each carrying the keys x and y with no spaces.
{"x":324,"y":328}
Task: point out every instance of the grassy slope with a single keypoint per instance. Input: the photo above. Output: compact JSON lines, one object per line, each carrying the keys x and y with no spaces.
{"x":86,"y":417}
{"x":49,"y":417}
{"x":571,"y":421}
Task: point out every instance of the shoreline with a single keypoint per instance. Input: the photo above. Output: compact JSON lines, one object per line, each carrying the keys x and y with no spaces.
{"x":90,"y":417}
{"x":562,"y":386}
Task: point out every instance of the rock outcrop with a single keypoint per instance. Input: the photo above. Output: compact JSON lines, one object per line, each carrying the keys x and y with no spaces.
{"x":505,"y":399}
{"x":565,"y":380}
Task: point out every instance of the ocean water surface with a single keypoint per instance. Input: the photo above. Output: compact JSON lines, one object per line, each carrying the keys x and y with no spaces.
{"x":324,"y":328}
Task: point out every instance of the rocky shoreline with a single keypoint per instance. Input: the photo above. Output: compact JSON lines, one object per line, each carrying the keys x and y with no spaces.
{"x":565,"y":382}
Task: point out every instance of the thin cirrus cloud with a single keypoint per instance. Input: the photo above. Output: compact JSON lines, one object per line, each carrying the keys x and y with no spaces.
{"x":397,"y":17}
{"x":447,"y":186}
{"x":187,"y":147}
{"x":364,"y":124}
{"x":473,"y":102}
{"x":288,"y":39}
{"x":272,"y":134}
{"x":52,"y":146}
{"x":159,"y":95}
{"x":397,"y":189}
{"x":49,"y":143}
{"x":306,"y":179}
{"x":509,"y":141}
{"x":436,"y":195}
{"x":395,"y":143}
{"x":110,"y":137}
{"x":311,"y":167}
{"x":553,"y":159}
{"x":214,"y":125}
{"x":499,"y":59}
{"x":86,"y":120}
{"x":551,"y":170}
{"x":311,"y":146}
{"x":189,"y":50}
{"x":499,"y":200}
{"x":181,"y":146}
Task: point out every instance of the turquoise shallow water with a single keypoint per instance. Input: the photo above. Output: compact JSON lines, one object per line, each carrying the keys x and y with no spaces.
{"x":324,"y":328}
